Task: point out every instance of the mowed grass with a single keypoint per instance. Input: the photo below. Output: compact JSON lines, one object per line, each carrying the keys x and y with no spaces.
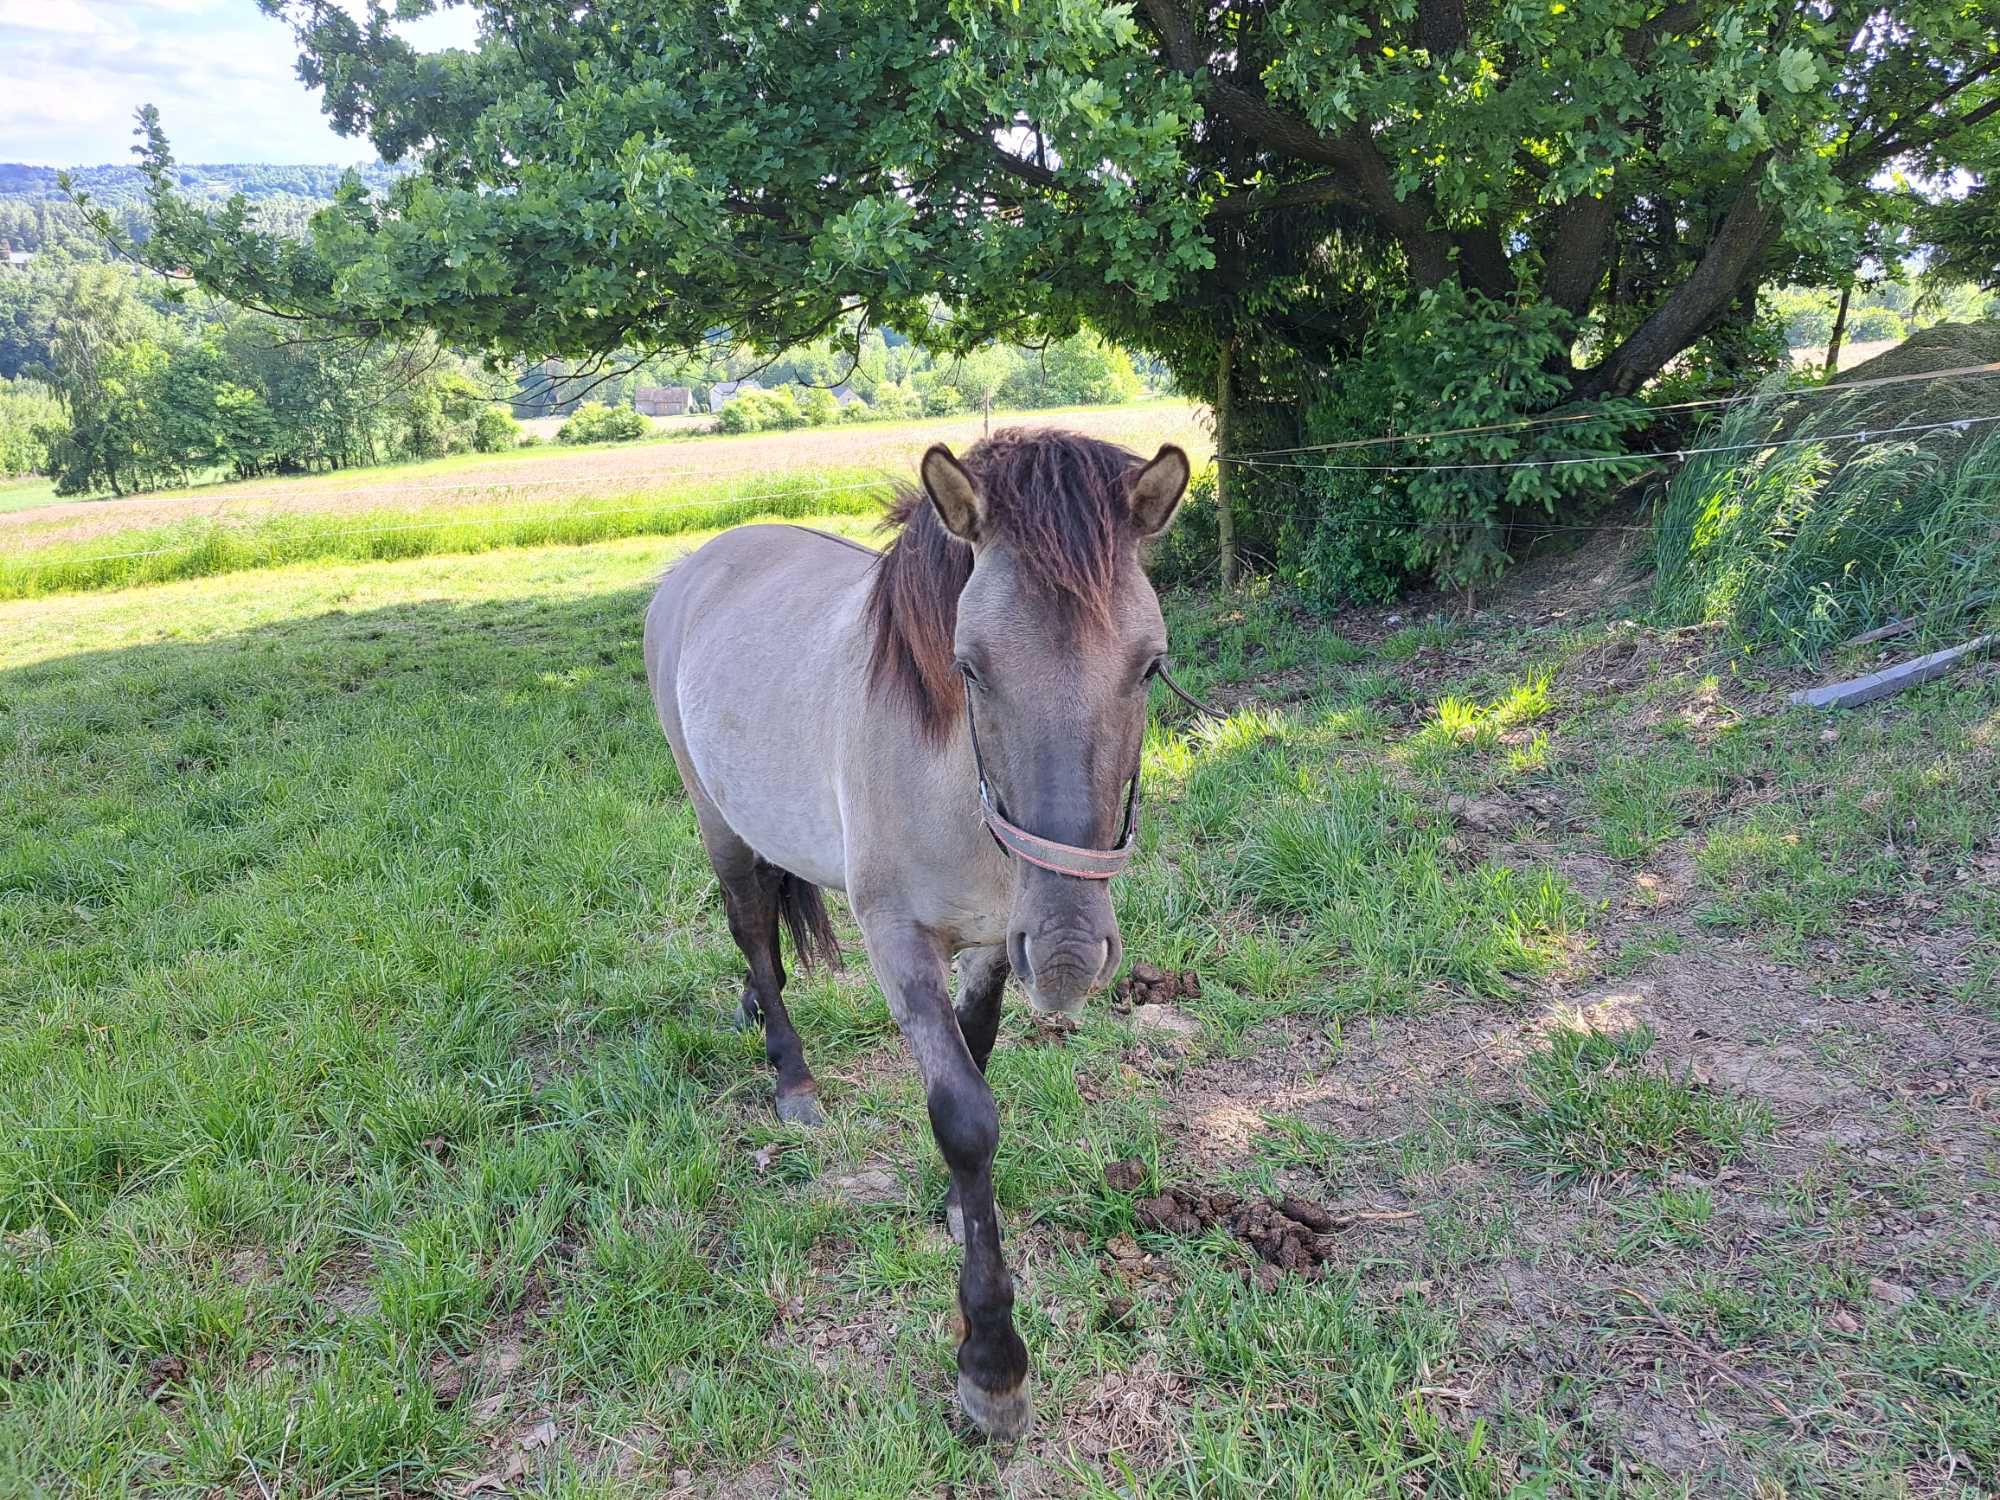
{"x":24,"y":492}
{"x":527,"y":497}
{"x":370,"y":1122}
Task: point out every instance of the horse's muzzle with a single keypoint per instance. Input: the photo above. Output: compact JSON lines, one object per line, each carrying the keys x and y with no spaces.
{"x":1060,"y":973}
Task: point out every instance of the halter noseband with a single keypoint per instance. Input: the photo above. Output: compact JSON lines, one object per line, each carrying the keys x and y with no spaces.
{"x":1062,"y":859}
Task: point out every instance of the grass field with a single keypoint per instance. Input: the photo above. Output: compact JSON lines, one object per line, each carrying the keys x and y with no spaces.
{"x":369,"y":1122}
{"x":553,"y":477}
{"x":25,"y":492}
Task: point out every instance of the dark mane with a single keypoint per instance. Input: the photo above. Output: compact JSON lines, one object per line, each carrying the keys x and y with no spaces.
{"x":1057,"y":499}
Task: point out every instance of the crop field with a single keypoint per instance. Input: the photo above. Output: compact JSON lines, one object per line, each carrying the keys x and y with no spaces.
{"x":555,"y":475}
{"x":371,"y":1123}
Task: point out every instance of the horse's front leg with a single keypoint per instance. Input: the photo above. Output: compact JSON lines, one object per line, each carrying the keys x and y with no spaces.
{"x":982,"y":977}
{"x":992,"y":1361}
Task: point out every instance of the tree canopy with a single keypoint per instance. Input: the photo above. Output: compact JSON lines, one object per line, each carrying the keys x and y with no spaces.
{"x":631,"y":173}
{"x":1394,"y":214}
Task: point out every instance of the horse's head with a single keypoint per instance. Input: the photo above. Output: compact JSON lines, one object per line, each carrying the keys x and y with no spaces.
{"x":1058,"y":635}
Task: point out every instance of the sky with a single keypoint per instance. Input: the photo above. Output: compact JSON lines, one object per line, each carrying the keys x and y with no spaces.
{"x":221,"y":71}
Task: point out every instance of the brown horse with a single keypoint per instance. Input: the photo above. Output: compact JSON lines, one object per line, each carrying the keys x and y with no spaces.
{"x":948,"y":731}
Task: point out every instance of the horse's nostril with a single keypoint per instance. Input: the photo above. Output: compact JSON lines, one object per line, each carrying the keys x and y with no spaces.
{"x":1017,"y":956}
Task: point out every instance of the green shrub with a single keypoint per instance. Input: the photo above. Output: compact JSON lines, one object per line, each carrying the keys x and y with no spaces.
{"x":1805,"y":313}
{"x":1185,"y":556}
{"x":1359,"y":542}
{"x":784,"y":408}
{"x":819,"y":407}
{"x":493,"y":431}
{"x":761,"y":411}
{"x":1867,"y":325}
{"x":896,"y":403}
{"x":1450,"y":360}
{"x":29,"y":411}
{"x":594,"y":422}
{"x":943,"y":401}
{"x":1082,"y":370}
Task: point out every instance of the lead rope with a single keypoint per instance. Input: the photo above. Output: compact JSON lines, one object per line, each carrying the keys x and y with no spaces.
{"x":1184,"y":695}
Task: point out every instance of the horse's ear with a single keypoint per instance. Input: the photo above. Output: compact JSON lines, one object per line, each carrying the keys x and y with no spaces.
{"x":1157,"y":491}
{"x":953,"y":493}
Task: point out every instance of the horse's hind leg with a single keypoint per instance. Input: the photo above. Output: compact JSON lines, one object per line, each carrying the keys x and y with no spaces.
{"x":751,"y":899}
{"x":750,"y":896}
{"x":982,"y":977}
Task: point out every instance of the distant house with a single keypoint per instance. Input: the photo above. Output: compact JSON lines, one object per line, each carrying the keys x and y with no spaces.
{"x":663,"y":400}
{"x":19,"y":259}
{"x":724,"y":391}
{"x":845,"y":395}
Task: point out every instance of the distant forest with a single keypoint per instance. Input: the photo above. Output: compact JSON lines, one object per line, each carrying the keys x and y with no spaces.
{"x":254,"y":180}
{"x":35,"y":213}
{"x":112,"y":378}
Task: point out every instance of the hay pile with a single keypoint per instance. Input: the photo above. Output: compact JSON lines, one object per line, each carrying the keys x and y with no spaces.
{"x":1807,"y":544}
{"x":1948,"y":346}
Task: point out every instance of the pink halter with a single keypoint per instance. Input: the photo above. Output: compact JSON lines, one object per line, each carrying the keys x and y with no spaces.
{"x":1047,"y":854}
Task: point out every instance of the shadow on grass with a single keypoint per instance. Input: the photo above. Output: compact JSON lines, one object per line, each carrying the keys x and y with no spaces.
{"x":363,"y":975}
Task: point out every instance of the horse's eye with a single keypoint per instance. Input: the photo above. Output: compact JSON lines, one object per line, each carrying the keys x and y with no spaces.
{"x":964,"y":669}
{"x":1153,"y":667}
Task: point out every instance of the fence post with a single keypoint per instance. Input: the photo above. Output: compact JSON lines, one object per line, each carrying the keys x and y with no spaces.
{"x":1225,"y":523}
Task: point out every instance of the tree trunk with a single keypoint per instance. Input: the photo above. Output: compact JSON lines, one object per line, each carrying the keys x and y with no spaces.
{"x":1839,"y":330}
{"x":1225,"y":525}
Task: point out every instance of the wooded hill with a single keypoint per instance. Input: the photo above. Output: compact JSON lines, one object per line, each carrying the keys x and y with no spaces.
{"x":219,"y":181}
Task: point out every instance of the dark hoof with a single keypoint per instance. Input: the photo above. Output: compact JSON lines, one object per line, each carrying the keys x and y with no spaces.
{"x":800,"y":1109}
{"x":1002,"y":1416}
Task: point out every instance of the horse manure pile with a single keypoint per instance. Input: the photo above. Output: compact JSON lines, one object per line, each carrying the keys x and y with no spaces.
{"x":1148,"y":984}
{"x":1289,"y":1233}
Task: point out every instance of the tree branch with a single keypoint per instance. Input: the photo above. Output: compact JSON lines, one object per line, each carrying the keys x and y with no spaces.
{"x":1863,"y":162}
{"x":1574,"y":262}
{"x":1441,"y":26}
{"x":1014,"y":166}
{"x":1747,"y":231}
{"x":1365,"y":178}
{"x":1246,"y":201}
{"x":1175,"y":34}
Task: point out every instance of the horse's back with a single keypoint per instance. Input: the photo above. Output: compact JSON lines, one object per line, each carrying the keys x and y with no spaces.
{"x":755,"y":654}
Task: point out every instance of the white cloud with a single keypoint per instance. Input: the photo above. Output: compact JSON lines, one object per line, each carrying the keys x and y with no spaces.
{"x":64,"y":17}
{"x":222,"y":74}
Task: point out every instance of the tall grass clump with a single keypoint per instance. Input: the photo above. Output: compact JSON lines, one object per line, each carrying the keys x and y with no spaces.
{"x":1592,"y":1107}
{"x":205,"y":548}
{"x":1807,"y":545}
{"x":1364,"y":869}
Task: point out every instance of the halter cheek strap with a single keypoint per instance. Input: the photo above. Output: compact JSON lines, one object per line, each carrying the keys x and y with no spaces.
{"x":1047,"y":854}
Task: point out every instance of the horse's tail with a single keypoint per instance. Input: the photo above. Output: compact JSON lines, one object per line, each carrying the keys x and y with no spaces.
{"x":804,"y":911}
